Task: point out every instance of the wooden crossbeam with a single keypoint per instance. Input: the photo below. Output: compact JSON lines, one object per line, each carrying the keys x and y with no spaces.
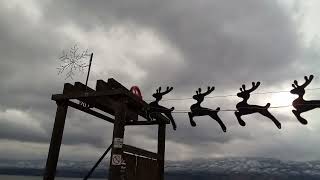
{"x":104,"y":103}
{"x":105,"y":98}
{"x":89,"y":111}
{"x":84,"y":95}
{"x":137,"y":123}
{"x":106,"y":118}
{"x":136,"y":103}
{"x":113,"y":85}
{"x":125,"y":96}
{"x":140,"y":152}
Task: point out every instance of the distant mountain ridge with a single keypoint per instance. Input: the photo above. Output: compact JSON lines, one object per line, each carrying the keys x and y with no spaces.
{"x":247,"y":165}
{"x":200,"y":169}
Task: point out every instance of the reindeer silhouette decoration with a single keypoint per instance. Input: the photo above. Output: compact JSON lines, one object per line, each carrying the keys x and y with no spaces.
{"x":300,"y":104}
{"x":197,"y":110}
{"x":155,"y":107}
{"x":244,"y":108}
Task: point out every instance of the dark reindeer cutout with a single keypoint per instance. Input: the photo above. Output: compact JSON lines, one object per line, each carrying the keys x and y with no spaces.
{"x":300,"y":104}
{"x":197,"y":110}
{"x":155,"y":107}
{"x":244,"y":108}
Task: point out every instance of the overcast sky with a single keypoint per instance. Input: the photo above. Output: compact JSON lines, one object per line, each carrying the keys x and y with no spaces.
{"x":186,"y":44}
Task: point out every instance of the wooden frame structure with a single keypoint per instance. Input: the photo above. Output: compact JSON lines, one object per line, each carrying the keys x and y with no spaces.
{"x":114,"y":99}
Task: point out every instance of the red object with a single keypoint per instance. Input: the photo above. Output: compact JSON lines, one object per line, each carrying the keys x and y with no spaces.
{"x":136,"y":91}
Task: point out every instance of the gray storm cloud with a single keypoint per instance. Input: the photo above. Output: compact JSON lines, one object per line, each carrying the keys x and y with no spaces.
{"x":208,"y":42}
{"x":222,"y":41}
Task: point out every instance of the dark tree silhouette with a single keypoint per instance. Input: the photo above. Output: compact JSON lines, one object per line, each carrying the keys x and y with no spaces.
{"x":155,"y":107}
{"x":300,"y":104}
{"x":244,"y":108}
{"x":197,"y":110}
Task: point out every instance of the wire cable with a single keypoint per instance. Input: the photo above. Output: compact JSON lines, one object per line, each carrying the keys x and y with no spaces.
{"x":233,"y":110}
{"x":232,"y":95}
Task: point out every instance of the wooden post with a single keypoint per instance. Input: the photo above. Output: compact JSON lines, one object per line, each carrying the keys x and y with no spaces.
{"x":56,"y":139}
{"x":117,"y":149}
{"x":161,"y":149}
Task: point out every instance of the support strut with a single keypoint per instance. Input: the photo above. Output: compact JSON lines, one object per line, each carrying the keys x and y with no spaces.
{"x":97,"y":163}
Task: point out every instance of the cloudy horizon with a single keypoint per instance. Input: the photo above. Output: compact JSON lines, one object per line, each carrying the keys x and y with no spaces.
{"x":184,"y":44}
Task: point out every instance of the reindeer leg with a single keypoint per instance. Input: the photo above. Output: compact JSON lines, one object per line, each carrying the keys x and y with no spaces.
{"x":193,"y":124}
{"x":270,"y":116}
{"x":300,"y":119}
{"x":148,"y":115}
{"x":174,"y":126}
{"x":238,"y":115}
{"x":216,"y":117}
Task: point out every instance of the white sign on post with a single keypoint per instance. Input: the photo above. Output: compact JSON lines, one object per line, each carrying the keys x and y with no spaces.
{"x":116,"y":159}
{"x":117,"y":142}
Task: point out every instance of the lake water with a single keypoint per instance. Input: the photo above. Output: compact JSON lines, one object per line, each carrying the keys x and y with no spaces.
{"x":5,"y":177}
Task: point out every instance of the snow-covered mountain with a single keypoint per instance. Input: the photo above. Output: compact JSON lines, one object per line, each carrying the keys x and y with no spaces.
{"x":40,"y":164}
{"x":200,"y":169}
{"x":247,"y":165}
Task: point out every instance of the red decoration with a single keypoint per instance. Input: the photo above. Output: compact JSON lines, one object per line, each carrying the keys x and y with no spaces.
{"x":136,"y":91}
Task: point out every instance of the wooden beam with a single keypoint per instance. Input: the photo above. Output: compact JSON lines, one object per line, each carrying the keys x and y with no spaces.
{"x":115,"y":172}
{"x":161,"y":118}
{"x":99,"y":100}
{"x":106,"y":102}
{"x":113,"y":83}
{"x":102,"y":86}
{"x":97,"y":163}
{"x":55,"y":143}
{"x":88,"y":95}
{"x":137,"y":123}
{"x":90,"y":111}
{"x":107,"y":105}
{"x":102,"y":103}
{"x":80,"y":88}
{"x":67,"y":88}
{"x":137,"y":104}
{"x":161,"y":149}
{"x":140,"y":152}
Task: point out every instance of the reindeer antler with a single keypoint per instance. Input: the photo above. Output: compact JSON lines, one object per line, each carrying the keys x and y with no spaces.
{"x":254,"y":86}
{"x":308,"y":81}
{"x":158,"y":91}
{"x":209,"y":90}
{"x":305,"y":84}
{"x":166,"y":91}
{"x":243,"y":87}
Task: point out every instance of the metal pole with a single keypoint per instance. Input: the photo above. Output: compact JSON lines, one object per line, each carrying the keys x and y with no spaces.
{"x":89,"y":70}
{"x":97,"y":163}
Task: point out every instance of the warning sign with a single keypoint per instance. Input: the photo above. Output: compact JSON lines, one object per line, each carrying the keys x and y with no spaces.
{"x":117,"y":142}
{"x":116,"y":159}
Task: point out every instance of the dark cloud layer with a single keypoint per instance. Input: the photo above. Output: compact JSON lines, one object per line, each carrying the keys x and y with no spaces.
{"x":226,"y":42}
{"x":220,"y":42}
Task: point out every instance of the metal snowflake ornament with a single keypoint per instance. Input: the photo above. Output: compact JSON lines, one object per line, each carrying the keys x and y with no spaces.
{"x":73,"y":61}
